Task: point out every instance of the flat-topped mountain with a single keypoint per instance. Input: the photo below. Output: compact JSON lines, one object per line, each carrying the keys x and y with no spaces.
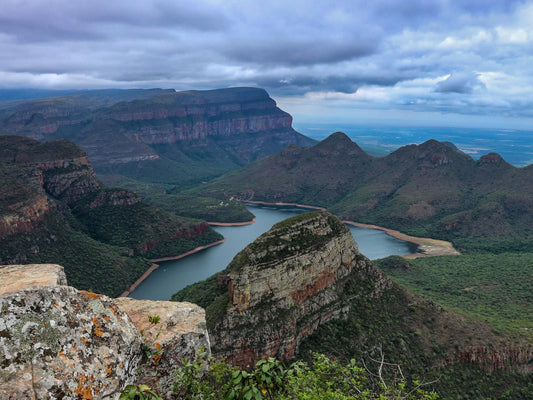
{"x":430,"y":189}
{"x":53,"y":209}
{"x":162,"y":136}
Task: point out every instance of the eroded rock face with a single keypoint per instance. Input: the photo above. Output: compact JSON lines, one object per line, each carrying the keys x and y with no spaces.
{"x":243,"y":122}
{"x":69,"y":179}
{"x":35,"y":175}
{"x":286,"y":284}
{"x":60,"y":343}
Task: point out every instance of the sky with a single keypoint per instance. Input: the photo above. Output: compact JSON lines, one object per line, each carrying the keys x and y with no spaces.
{"x":420,"y":62}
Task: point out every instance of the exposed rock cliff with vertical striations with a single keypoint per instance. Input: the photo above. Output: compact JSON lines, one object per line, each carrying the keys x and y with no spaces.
{"x":284,"y":285}
{"x":203,"y":133}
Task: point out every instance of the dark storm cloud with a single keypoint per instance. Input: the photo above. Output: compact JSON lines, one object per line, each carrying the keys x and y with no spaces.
{"x":303,"y":51}
{"x":344,"y":83}
{"x":390,"y":53}
{"x":66,"y":20}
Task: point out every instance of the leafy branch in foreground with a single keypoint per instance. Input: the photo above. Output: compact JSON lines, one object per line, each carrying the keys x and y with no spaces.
{"x":323,"y":378}
{"x":139,"y":392}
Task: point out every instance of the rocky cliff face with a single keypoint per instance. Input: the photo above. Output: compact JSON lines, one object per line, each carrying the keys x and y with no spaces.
{"x":34,"y":175}
{"x":194,"y":115}
{"x":237,"y":124}
{"x":60,"y":343}
{"x":286,"y":284}
{"x":53,"y":209}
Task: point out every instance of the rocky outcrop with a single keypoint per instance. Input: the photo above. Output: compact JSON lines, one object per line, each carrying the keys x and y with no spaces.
{"x":57,"y":342}
{"x":284,"y":285}
{"x":60,"y":343}
{"x":492,"y":358}
{"x":18,"y":277}
{"x":69,"y":180}
{"x":237,"y":124}
{"x":35,"y":175}
{"x":116,"y":197}
{"x":24,"y":216}
{"x":171,"y":332}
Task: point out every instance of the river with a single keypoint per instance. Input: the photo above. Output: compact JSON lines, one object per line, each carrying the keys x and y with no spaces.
{"x":172,"y":276}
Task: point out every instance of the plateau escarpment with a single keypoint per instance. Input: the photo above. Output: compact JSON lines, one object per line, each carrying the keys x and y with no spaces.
{"x":162,"y":136}
{"x":55,"y":210}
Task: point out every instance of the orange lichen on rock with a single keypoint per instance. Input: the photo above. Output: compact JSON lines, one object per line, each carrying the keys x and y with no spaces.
{"x":86,"y":387}
{"x":90,"y":295}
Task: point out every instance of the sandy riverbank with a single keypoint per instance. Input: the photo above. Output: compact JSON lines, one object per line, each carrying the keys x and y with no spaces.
{"x":156,"y":260}
{"x":426,"y":246}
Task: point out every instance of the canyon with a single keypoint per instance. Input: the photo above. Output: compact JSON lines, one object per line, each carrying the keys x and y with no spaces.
{"x":56,"y":210}
{"x":205,"y":132}
{"x":304,"y":286}
{"x":288,"y":292}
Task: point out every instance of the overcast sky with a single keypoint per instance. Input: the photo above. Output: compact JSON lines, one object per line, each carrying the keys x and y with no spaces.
{"x":443,"y":62}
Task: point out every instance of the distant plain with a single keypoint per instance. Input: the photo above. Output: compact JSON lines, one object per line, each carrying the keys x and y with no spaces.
{"x":515,"y":146}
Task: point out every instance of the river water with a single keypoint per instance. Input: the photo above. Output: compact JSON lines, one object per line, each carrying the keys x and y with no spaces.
{"x":172,"y":276}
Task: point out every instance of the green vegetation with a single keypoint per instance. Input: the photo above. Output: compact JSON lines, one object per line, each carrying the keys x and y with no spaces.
{"x":151,"y":232}
{"x":88,"y":264}
{"x":207,"y":209}
{"x":415,"y":334}
{"x":139,"y":392}
{"x":496,"y":288}
{"x":321,"y":378}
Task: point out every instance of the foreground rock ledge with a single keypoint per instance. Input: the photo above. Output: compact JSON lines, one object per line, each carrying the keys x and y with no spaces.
{"x":57,"y":342}
{"x":17,"y":277}
{"x":179,"y":328}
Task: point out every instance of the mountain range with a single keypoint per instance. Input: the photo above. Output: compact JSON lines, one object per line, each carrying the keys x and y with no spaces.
{"x":159,"y":135}
{"x":431,"y":189}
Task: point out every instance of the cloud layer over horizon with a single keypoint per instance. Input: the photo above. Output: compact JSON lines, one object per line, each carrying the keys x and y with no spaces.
{"x":469,"y":57}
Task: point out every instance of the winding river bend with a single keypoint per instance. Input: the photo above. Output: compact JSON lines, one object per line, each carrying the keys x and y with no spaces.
{"x":172,"y":276}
